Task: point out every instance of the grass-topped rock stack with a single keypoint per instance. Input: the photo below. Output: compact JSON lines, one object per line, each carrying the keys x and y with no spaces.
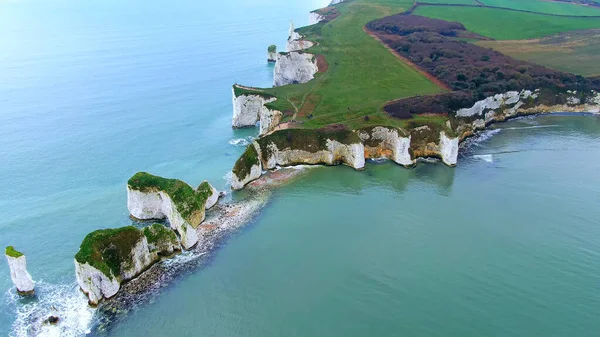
{"x":18,"y":271}
{"x":109,"y":257}
{"x":151,"y":197}
{"x":272,"y":53}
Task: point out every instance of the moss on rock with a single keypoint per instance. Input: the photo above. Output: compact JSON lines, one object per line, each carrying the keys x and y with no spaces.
{"x":239,"y":91}
{"x":307,"y":140}
{"x":108,"y":250}
{"x":159,"y":236}
{"x":272,"y":48}
{"x":12,"y":252}
{"x":187,"y":200}
{"x":243,"y":166}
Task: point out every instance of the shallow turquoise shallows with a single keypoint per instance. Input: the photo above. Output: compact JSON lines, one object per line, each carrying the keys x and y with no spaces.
{"x":506,"y":244}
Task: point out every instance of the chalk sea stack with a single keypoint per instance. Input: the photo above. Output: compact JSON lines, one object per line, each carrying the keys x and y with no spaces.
{"x":150,"y":197}
{"x":109,"y":257}
{"x":18,"y":271}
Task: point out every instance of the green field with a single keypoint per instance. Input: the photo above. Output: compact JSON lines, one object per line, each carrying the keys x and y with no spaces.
{"x":575,"y":52}
{"x":507,"y":25}
{"x":462,"y":2}
{"x":545,"y":7}
{"x":362,"y":76}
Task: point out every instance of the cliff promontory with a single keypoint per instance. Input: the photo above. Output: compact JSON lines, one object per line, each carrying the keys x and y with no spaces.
{"x":151,"y":197}
{"x":109,"y":257}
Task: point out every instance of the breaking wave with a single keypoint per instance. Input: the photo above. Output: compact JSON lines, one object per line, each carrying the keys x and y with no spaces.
{"x":64,"y":301}
{"x":485,"y":157}
{"x":530,"y":127}
{"x":240,"y":142}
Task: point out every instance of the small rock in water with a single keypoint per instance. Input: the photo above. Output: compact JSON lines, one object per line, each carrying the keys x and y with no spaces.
{"x":52,"y":320}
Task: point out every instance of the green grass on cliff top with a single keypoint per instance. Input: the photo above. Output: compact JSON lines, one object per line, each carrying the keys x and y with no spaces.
{"x":543,"y":6}
{"x":502,"y":24}
{"x":186,"y":199}
{"x":362,"y":76}
{"x":12,"y":252}
{"x":108,"y":249}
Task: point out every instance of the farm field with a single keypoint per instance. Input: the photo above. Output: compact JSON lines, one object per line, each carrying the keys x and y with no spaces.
{"x":576,"y":52}
{"x":548,"y":7}
{"x":512,"y":26}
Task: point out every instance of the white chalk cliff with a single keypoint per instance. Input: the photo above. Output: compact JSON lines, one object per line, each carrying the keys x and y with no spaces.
{"x":213,"y":198}
{"x":99,"y":285}
{"x":386,"y":142}
{"x":352,"y":155}
{"x":250,"y":109}
{"x":243,"y":174}
{"x":19,"y":274}
{"x":158,"y":205}
{"x":293,"y":68}
{"x":296,"y":41}
{"x":449,"y":149}
{"x":314,"y":18}
{"x":511,"y":104}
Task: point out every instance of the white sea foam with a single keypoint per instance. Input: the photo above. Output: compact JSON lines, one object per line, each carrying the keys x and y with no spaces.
{"x":241,"y":142}
{"x":64,"y":301}
{"x":485,"y":157}
{"x":428,"y":160}
{"x":530,"y":127}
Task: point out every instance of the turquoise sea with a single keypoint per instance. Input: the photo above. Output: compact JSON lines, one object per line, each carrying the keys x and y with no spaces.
{"x":506,"y":244}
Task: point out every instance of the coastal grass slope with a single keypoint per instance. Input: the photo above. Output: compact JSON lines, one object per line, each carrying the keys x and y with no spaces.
{"x":361,"y":74}
{"x":503,"y":24}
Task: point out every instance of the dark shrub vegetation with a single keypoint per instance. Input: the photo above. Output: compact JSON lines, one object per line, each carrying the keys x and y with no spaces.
{"x":473,"y":72}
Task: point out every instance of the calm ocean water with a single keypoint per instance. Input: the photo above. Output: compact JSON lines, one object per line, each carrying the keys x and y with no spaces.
{"x":506,"y":244}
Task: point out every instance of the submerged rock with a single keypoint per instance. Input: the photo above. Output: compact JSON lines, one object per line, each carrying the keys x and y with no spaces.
{"x":18,"y":271}
{"x":109,"y":257}
{"x":151,"y":197}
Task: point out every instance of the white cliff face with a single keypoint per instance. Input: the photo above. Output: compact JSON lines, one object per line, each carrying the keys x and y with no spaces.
{"x":99,"y":286}
{"x":269,"y":119}
{"x":314,"y":18}
{"x":391,"y":145}
{"x":492,"y":102}
{"x":352,"y":155}
{"x":250,"y":109}
{"x":271,"y":56}
{"x":238,"y":183}
{"x":298,"y":45}
{"x":213,"y":199}
{"x":335,"y":2}
{"x":292,"y":34}
{"x":95,"y":284}
{"x":247,"y":109}
{"x":19,"y":275}
{"x":158,"y":205}
{"x":294,"y":67}
{"x":448,"y":149}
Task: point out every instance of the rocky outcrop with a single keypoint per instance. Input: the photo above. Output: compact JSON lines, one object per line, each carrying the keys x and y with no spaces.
{"x":17,"y":262}
{"x":272,"y":53}
{"x":296,"y":41}
{"x":247,"y":168}
{"x":109,"y":257}
{"x":448,"y":149}
{"x":387,"y":142}
{"x":314,"y":18}
{"x":150,"y":198}
{"x":293,"y":68}
{"x":297,"y":146}
{"x":512,"y":104}
{"x":251,"y":108}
